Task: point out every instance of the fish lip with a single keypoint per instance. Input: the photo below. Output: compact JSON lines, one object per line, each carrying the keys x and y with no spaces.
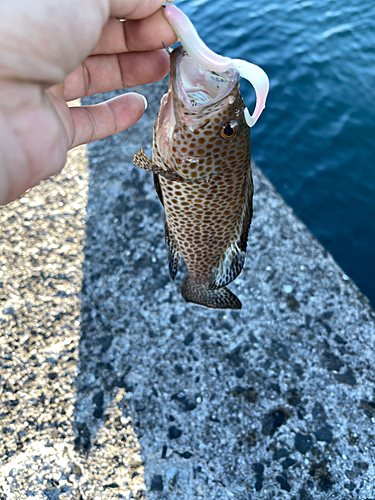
{"x":177,"y":90}
{"x":180,"y":95}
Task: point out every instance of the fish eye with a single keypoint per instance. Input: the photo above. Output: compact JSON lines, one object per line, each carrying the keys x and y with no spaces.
{"x":229,"y":129}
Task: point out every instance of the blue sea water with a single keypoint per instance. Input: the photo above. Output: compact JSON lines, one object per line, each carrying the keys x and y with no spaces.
{"x":316,"y":137}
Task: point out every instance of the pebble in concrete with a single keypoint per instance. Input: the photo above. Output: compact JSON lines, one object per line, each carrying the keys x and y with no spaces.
{"x":98,"y":347}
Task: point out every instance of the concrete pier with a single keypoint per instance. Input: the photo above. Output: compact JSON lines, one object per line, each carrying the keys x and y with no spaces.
{"x":114,"y":388}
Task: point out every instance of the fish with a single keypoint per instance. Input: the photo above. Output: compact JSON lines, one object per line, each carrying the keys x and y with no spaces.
{"x":201,"y":165}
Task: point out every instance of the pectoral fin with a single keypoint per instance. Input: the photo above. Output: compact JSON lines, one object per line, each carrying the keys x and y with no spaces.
{"x":143,"y":161}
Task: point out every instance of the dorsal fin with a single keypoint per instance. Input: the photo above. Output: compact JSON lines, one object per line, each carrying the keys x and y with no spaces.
{"x":174,"y":258}
{"x":233,"y":259}
{"x":158,"y":189}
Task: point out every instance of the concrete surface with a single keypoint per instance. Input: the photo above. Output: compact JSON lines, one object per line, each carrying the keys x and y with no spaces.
{"x":113,"y":387}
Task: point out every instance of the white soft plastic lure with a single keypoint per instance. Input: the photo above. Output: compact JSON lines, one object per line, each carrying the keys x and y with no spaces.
{"x":198,"y":50}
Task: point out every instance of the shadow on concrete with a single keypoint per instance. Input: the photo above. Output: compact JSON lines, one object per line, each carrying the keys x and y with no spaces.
{"x":271,"y":401}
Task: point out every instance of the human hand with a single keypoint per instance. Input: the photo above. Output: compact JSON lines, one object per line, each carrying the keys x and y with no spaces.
{"x":52,"y":52}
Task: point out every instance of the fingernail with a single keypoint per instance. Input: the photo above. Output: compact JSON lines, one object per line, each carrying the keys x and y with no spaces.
{"x":144,"y":100}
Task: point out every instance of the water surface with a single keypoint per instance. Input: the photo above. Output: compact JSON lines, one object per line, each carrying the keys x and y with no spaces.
{"x":315,"y":139}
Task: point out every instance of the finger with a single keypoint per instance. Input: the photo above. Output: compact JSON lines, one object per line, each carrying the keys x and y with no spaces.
{"x":134,"y":9}
{"x":145,"y":34}
{"x":105,"y":73}
{"x":101,"y":120}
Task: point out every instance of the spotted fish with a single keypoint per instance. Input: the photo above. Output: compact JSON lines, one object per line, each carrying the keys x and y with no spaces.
{"x":202,"y":175}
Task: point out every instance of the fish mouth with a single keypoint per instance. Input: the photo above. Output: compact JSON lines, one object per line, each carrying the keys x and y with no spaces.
{"x":195,"y":87}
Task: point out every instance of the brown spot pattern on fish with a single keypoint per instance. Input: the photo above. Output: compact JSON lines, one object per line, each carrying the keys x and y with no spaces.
{"x":204,"y":215}
{"x":208,"y":212}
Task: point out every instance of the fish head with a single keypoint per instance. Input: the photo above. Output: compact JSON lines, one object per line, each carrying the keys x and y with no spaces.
{"x":201,"y":121}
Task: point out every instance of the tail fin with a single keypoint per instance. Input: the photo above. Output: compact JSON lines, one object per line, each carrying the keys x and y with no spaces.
{"x":220,"y":298}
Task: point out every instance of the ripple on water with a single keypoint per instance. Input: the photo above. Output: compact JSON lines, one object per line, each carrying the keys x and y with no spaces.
{"x":315,"y":139}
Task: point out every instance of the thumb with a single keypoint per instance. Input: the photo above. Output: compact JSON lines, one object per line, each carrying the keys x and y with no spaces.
{"x":107,"y":118}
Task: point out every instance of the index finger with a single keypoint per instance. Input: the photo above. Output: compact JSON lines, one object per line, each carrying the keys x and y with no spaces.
{"x":135,"y":35}
{"x":134,"y":9}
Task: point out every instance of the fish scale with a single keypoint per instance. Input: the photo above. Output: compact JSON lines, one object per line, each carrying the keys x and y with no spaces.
{"x":208,"y":209}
